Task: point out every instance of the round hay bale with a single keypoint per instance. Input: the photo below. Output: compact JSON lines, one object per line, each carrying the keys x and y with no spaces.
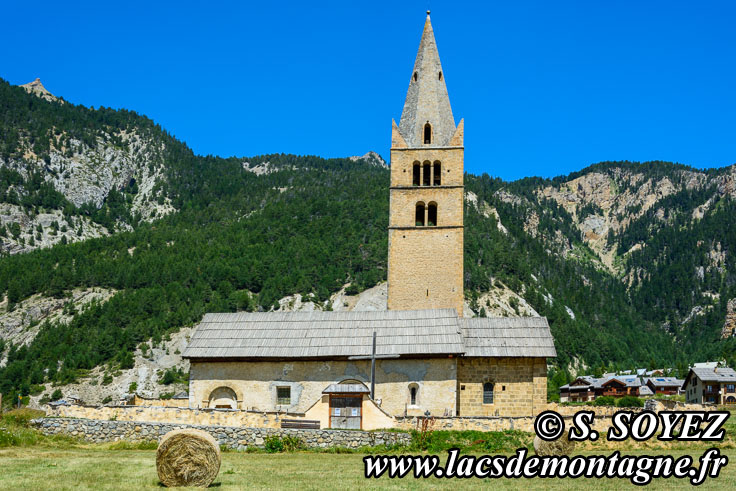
{"x":188,"y":458}
{"x":561,"y":446}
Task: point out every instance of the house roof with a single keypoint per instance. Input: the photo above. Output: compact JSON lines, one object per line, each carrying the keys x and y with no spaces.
{"x":627,"y":380}
{"x":508,"y":336}
{"x":665,"y":381}
{"x":645,"y":391}
{"x":346,"y":334}
{"x":723,"y":374}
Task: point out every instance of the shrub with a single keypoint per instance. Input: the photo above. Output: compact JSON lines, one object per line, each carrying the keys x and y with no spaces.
{"x":56,"y":395}
{"x":107,"y":400}
{"x":605,"y":401}
{"x":274,"y":444}
{"x":107,"y":379}
{"x":133,"y":387}
{"x":630,"y":401}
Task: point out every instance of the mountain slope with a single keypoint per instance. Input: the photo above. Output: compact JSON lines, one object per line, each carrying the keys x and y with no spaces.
{"x":631,"y":263}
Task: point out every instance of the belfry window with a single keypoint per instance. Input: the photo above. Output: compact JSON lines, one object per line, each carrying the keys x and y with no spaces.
{"x":426,"y":178}
{"x":419,"y":215}
{"x":427,"y":133}
{"x":416,"y":178}
{"x":437,"y":174}
{"x":416,"y":76}
{"x":440,"y":77}
{"x":488,"y":393}
{"x":432,"y":214}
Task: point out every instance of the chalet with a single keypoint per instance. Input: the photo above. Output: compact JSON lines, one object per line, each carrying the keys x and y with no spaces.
{"x":620,"y":386}
{"x":710,"y":385}
{"x":664,"y":385}
{"x":581,"y":389}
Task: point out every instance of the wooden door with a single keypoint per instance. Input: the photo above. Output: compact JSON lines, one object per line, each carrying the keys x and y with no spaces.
{"x":346,"y":411}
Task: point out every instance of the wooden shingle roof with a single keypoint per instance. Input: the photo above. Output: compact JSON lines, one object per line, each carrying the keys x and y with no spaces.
{"x":508,"y":337}
{"x":326,"y":334}
{"x":345,"y":334}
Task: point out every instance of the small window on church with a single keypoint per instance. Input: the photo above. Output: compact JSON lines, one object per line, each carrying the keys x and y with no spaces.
{"x":416,"y":180}
{"x":440,"y":77}
{"x":437,"y":174}
{"x":427,"y":168}
{"x":432,"y":214}
{"x":283,"y":396}
{"x":419,"y":215}
{"x":427,"y":134}
{"x":488,"y":393}
{"x":415,"y":76}
{"x":413,"y":391}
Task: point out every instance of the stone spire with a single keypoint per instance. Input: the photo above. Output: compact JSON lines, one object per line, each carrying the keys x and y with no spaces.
{"x":427,"y":100}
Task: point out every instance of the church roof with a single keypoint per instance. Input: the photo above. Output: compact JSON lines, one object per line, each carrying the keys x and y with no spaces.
{"x":427,"y":99}
{"x":345,"y":334}
{"x":326,"y":334}
{"x":508,"y":336}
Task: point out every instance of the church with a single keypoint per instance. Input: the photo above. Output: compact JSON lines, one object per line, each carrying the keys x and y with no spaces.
{"x":419,"y":357}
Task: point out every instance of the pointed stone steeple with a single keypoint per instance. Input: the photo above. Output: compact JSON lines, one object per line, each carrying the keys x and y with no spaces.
{"x":427,"y":114}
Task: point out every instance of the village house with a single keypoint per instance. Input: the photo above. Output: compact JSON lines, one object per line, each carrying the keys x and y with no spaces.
{"x":706,"y":384}
{"x":587,"y":388}
{"x":419,"y":357}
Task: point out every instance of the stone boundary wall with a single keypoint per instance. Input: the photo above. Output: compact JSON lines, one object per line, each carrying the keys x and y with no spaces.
{"x":257,"y":419}
{"x":175,"y":415}
{"x":238,"y":438}
{"x":603,"y":416}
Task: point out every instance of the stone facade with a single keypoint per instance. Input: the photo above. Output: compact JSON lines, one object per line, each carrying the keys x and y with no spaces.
{"x":425,"y":263}
{"x":519,"y":386}
{"x":238,"y":438}
{"x":255,"y":384}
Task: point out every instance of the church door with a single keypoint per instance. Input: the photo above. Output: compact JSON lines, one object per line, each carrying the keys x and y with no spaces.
{"x":345,"y":411}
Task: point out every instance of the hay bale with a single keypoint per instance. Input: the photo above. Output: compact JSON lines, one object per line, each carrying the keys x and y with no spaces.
{"x":561,"y":446}
{"x":188,"y":458}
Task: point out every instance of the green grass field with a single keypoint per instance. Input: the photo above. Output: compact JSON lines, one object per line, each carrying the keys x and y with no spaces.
{"x":30,"y":460}
{"x":100,"y":468}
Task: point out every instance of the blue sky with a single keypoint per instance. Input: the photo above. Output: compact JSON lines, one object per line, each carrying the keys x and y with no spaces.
{"x":545,"y":88}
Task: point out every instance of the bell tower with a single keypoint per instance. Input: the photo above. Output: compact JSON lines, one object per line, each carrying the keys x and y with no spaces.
{"x":425,"y":232}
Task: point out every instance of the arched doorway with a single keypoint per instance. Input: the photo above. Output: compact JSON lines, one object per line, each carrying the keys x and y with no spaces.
{"x":223,"y":398}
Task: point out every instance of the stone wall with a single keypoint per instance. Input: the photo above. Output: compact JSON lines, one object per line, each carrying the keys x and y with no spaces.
{"x":238,"y":438}
{"x":159,"y":414}
{"x":425,"y":264}
{"x":520,"y":386}
{"x":255,"y":383}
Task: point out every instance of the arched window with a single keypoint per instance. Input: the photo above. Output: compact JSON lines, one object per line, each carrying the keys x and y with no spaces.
{"x":416,"y":76}
{"x":416,"y":178}
{"x":437,"y":174}
{"x":440,"y":77}
{"x":426,"y":178}
{"x":419,"y":215}
{"x":224,"y":398}
{"x":427,"y":133}
{"x":413,"y":393}
{"x":432,"y":214}
{"x":488,"y":393}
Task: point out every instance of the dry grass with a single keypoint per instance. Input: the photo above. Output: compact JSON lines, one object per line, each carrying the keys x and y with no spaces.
{"x":102,"y":468}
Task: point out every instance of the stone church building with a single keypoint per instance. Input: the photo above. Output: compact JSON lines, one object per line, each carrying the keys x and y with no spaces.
{"x":428,"y":358}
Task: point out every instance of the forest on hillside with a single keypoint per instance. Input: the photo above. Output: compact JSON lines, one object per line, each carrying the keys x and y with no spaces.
{"x":241,"y":241}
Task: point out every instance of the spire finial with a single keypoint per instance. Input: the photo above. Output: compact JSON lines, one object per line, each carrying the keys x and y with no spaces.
{"x":427,"y":12}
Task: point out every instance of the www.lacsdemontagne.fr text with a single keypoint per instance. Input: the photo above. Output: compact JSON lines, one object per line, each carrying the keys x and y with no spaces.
{"x":639,"y":469}
{"x":703,"y":426}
